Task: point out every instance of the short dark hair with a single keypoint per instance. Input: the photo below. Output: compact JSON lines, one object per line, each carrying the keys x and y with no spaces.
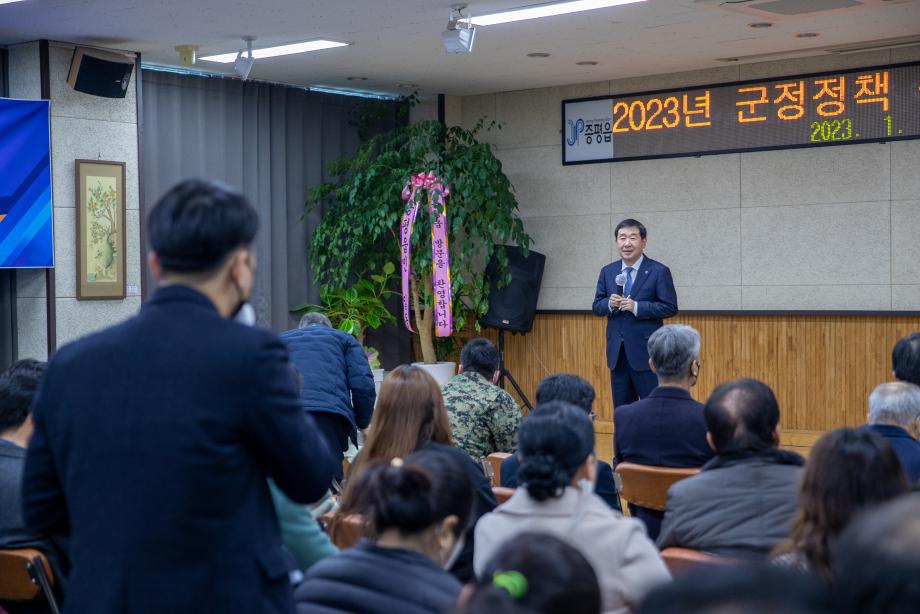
{"x":197,"y":224}
{"x":905,"y":359}
{"x":757,"y":588}
{"x":741,"y":416}
{"x":18,"y":386}
{"x":557,"y":579}
{"x":480,"y":355}
{"x":630,"y":223}
{"x":553,"y":442}
{"x":876,"y":561}
{"x":568,"y":388}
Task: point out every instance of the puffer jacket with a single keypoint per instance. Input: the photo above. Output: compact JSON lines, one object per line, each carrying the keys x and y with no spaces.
{"x":739,"y":506}
{"x":335,"y":371}
{"x":368,"y":579}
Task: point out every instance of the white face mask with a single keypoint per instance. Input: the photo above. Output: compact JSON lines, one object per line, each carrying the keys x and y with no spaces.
{"x":586,"y":486}
{"x":245,"y":315}
{"x":454,"y":554}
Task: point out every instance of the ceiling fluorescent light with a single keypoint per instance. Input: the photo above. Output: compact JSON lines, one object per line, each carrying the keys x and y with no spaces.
{"x":270,"y":52}
{"x":9,"y":1}
{"x":552,"y":9}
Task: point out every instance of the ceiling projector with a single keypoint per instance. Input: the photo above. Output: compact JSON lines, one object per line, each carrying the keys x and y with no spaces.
{"x":460,"y":33}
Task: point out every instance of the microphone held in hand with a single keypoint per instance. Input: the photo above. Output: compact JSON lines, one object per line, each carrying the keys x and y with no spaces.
{"x":621,"y":281}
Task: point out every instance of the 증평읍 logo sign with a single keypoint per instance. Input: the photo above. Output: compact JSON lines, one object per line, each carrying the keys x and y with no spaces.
{"x":587,"y":131}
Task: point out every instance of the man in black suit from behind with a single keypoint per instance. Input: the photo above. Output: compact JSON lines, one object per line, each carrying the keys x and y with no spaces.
{"x":154,"y":438}
{"x":579,"y":392}
{"x":667,"y":428}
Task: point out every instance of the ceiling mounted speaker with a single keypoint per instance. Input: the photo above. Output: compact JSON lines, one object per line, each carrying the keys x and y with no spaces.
{"x":100,"y":73}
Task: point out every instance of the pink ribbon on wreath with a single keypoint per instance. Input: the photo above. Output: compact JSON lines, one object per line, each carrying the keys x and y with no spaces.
{"x":431,"y":186}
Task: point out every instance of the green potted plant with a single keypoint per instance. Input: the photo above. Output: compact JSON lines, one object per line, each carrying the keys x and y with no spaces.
{"x":354,"y":308}
{"x":363,"y":208}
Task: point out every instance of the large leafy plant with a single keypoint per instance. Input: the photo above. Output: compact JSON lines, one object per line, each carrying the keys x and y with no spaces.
{"x":359,"y":230}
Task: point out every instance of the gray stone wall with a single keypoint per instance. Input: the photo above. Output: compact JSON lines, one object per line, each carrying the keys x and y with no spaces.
{"x":82,"y":127}
{"x":831,"y":228}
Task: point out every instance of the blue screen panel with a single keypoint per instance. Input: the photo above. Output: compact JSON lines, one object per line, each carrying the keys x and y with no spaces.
{"x":26,"y":235}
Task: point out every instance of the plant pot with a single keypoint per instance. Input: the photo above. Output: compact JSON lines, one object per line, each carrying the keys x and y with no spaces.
{"x":440,"y":371}
{"x":378,"y":378}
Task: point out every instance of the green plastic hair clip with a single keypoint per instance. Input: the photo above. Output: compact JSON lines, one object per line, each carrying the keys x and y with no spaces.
{"x":512,"y":581}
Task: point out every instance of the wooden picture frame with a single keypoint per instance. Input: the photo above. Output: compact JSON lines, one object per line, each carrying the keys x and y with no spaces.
{"x":100,"y":219}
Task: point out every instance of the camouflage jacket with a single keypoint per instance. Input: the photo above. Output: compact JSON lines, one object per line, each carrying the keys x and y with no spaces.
{"x":483,"y":417}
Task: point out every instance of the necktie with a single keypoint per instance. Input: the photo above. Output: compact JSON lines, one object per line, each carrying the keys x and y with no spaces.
{"x":627,"y":287}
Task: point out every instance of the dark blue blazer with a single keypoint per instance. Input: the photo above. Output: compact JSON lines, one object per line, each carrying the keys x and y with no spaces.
{"x":665,"y":429}
{"x":656,"y":298}
{"x":604,"y":487}
{"x":906,"y":447}
{"x":153,"y":441}
{"x":336,"y":375}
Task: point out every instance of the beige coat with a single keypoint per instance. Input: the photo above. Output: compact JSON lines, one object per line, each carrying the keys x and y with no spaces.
{"x":626,"y":562}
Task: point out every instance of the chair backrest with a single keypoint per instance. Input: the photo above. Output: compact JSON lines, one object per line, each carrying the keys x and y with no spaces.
{"x":680,"y":560}
{"x":502,"y":493}
{"x":15,"y":582}
{"x":495,"y":460}
{"x":647,"y":486}
{"x":347,"y":532}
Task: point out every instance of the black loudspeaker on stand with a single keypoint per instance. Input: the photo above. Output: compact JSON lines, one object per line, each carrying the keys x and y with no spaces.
{"x":513,"y":306}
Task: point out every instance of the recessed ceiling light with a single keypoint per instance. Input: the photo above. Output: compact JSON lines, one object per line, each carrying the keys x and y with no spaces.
{"x":356,"y":78}
{"x":407,"y":86}
{"x":760,"y":24}
{"x":586,"y":63}
{"x":807,"y":35}
{"x":538,"y":54}
{"x":270,"y":52}
{"x":536,"y":11}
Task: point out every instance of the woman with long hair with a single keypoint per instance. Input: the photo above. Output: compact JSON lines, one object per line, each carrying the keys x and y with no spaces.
{"x":409,"y":416}
{"x":417,"y":511}
{"x":558,"y":469}
{"x":847,"y":471}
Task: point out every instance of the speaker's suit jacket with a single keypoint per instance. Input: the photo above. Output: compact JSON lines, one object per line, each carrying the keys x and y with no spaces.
{"x":653,"y":291}
{"x":153,"y":442}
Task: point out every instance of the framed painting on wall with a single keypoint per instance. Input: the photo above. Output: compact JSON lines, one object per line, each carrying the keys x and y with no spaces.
{"x":100,"y":203}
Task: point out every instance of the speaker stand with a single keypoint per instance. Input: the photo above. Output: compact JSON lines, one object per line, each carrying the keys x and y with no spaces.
{"x":503,"y":372}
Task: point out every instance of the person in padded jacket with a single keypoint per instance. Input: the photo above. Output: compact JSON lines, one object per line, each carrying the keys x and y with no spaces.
{"x":419,"y":511}
{"x":337,"y":387}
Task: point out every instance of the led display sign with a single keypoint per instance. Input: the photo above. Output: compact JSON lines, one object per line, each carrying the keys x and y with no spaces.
{"x":853,"y":106}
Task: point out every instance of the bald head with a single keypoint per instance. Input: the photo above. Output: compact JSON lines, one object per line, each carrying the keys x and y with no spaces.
{"x":742,"y":416}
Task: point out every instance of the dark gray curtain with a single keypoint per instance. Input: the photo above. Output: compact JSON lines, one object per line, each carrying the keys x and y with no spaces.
{"x":269,"y":141}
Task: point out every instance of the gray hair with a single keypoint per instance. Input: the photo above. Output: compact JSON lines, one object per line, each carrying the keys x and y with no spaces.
{"x":314,"y":318}
{"x":895,"y":403}
{"x":673,"y":348}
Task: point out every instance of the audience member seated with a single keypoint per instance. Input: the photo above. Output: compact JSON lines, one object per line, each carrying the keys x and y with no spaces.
{"x":905,"y":359}
{"x":667,"y":428}
{"x":418,"y":511}
{"x":337,"y":387}
{"x":18,"y":386}
{"x":579,"y":392}
{"x":154,"y":439}
{"x":740,"y":589}
{"x":558,"y":466}
{"x":410,"y":416}
{"x":483,"y":417}
{"x":876,"y":563}
{"x":742,"y":502}
{"x":301,"y":533}
{"x":894,"y":413}
{"x":534,"y":573}
{"x":847,"y":471}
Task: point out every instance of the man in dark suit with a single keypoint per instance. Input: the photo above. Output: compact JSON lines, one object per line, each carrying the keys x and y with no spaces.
{"x":572,"y":389}
{"x":635,"y":294}
{"x":894,"y":413}
{"x":667,"y":428}
{"x":154,"y":439}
